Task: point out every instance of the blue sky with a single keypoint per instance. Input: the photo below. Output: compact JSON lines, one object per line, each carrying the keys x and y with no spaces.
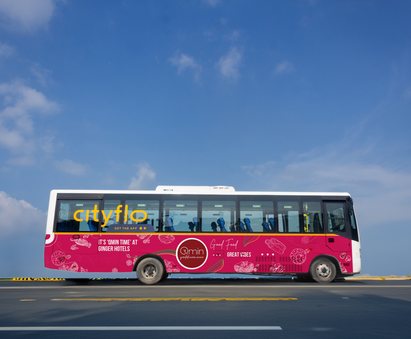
{"x":266,"y":95}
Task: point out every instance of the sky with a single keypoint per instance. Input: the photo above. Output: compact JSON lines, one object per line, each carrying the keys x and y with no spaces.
{"x":302,"y":95}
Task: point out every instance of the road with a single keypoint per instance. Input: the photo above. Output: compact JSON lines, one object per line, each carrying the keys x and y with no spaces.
{"x":201,"y":308}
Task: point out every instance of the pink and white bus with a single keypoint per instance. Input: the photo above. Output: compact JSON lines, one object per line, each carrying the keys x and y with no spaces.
{"x":203,"y":229}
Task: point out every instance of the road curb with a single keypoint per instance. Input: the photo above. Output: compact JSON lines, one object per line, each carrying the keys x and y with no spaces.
{"x":378,"y":278}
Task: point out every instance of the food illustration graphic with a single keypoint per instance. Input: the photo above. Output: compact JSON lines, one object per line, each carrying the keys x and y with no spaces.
{"x":306,"y":240}
{"x":298,"y":256}
{"x":145,"y":238}
{"x":131,"y":259}
{"x":166,"y":238}
{"x":59,"y":258}
{"x":244,"y":267}
{"x":80,"y":242}
{"x":275,"y":245}
{"x":345,"y":257}
{"x":72,"y":267}
{"x":170,"y":266}
{"x":277,"y":268}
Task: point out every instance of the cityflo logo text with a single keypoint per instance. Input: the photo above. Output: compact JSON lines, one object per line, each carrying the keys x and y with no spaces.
{"x":192,"y":253}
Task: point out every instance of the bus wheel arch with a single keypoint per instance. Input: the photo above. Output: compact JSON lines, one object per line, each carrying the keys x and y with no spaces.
{"x":150,"y":269}
{"x":324,"y":268}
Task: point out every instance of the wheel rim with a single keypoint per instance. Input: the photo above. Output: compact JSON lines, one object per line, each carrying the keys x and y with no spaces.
{"x":149,"y":271}
{"x":323,"y":270}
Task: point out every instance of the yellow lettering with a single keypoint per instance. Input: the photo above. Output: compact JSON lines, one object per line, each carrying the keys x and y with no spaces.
{"x":95,"y":211}
{"x":138,"y":211}
{"x":125,"y":214}
{"x":104,"y":217}
{"x":87,"y":214}
{"x":75,"y":215}
{"x":118,"y":211}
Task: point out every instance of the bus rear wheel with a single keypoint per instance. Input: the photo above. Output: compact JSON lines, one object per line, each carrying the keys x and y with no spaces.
{"x":323,"y":270}
{"x":149,"y":271}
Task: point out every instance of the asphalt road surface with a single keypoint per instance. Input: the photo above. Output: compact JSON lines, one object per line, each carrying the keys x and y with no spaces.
{"x":180,"y":308}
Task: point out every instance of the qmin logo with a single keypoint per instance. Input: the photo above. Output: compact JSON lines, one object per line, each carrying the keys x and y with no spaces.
{"x":192,"y":253}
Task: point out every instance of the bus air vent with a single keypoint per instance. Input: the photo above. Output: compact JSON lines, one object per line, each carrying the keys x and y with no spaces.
{"x":195,"y":189}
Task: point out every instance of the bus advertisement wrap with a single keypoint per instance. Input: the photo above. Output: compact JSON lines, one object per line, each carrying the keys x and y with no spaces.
{"x":305,"y":234}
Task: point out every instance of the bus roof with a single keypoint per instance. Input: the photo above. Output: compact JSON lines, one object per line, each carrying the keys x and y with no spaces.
{"x":199,"y":190}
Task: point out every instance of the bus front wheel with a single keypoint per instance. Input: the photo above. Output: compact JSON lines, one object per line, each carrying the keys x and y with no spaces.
{"x":323,"y":270}
{"x":150,"y":271}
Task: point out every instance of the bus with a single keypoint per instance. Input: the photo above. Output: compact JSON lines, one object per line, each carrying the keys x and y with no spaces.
{"x":203,"y":229}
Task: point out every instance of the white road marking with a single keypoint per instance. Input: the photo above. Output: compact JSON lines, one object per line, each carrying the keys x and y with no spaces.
{"x":142,"y":328}
{"x":322,"y":329}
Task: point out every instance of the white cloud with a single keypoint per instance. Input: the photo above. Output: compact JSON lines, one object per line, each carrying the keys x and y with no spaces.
{"x":14,"y":140}
{"x":233,"y":36}
{"x":70,"y":167}
{"x":229,"y":64}
{"x":17,"y":135}
{"x":211,"y":3}
{"x":284,"y":67}
{"x":18,"y":216}
{"x":21,"y":100}
{"x":381,"y":194}
{"x":145,"y":176}
{"x":257,"y":170}
{"x":42,"y":75}
{"x":26,"y":15}
{"x":183,"y":62}
{"x":5,"y":50}
{"x":22,"y":161}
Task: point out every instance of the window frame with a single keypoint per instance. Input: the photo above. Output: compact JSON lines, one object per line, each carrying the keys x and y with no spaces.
{"x":73,"y":198}
{"x":231,"y":198}
{"x":176,"y":197}
{"x":259,"y":198}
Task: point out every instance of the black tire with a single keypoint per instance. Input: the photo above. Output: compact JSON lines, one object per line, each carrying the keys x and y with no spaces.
{"x":304,"y":277}
{"x":150,"y":271}
{"x":165,"y":276}
{"x":323,"y":270}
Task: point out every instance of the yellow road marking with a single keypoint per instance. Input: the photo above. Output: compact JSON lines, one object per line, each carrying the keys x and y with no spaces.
{"x":175,"y":299}
{"x":28,"y":299}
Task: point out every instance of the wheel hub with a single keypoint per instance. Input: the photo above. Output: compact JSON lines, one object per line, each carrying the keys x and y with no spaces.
{"x":149,"y":271}
{"x":323,"y":270}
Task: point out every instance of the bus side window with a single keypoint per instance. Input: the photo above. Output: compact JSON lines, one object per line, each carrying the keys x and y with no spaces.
{"x":151,"y":207}
{"x":180,"y":213}
{"x":257,"y":216}
{"x":111,"y":214}
{"x":218,"y":216}
{"x":336,"y":220}
{"x":288,"y":217}
{"x":353,"y":224}
{"x":78,"y":216}
{"x":312,"y":217}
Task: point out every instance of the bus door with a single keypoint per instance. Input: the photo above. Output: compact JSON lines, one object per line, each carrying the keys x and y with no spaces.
{"x":337,"y":232}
